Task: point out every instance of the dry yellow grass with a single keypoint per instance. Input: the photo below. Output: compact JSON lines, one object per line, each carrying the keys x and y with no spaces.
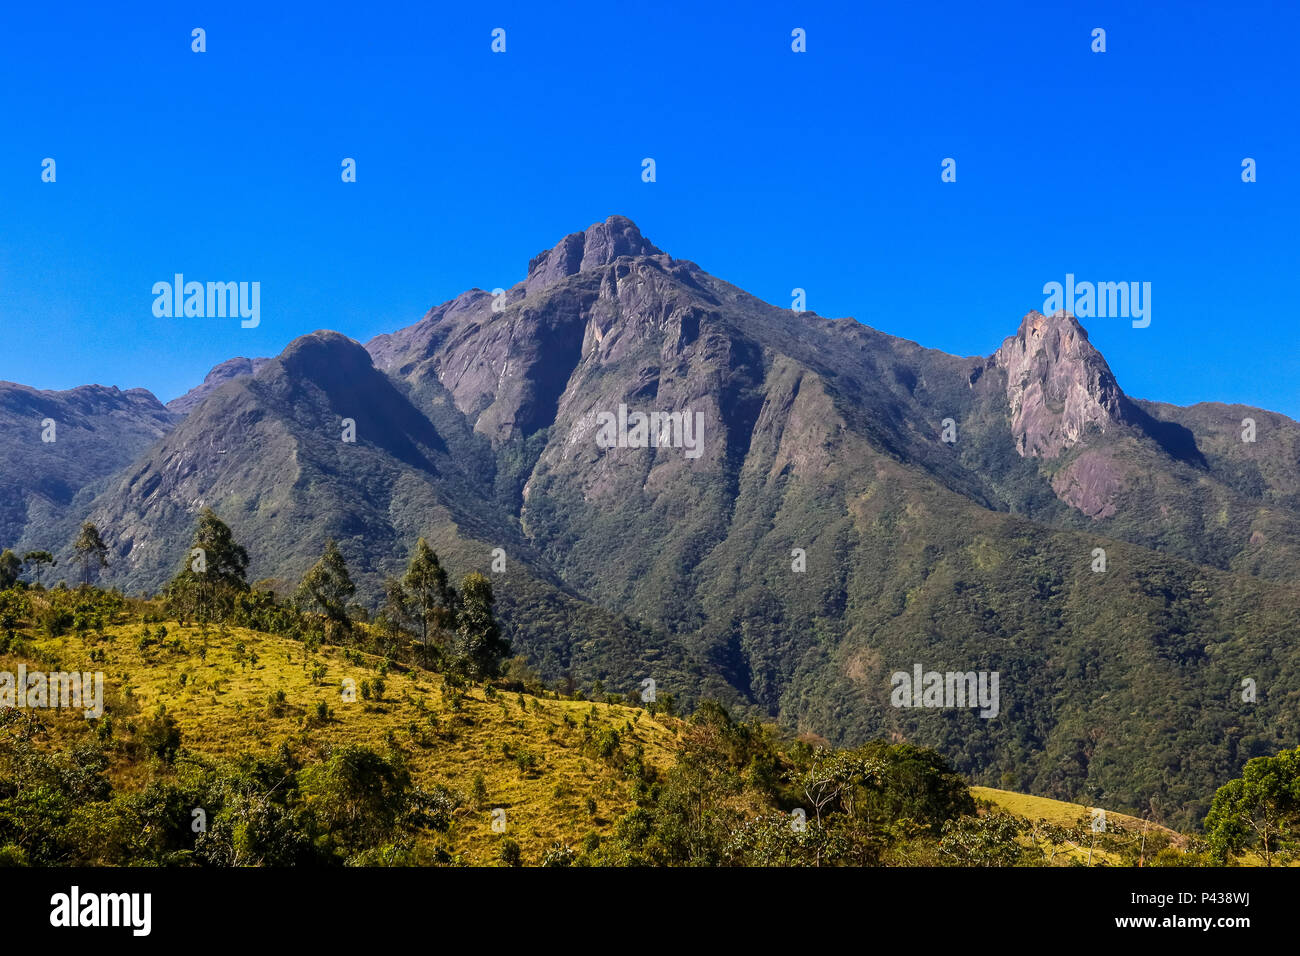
{"x":218,"y":695}
{"x":1065,"y":814}
{"x":1059,"y":812}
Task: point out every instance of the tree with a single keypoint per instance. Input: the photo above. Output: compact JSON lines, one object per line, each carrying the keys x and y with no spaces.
{"x":13,"y":608}
{"x":213,"y":573}
{"x":431,"y":598}
{"x":91,"y":551}
{"x":327,"y":587}
{"x":1259,"y":810}
{"x":394,"y":616}
{"x":159,"y":735}
{"x":988,"y":840}
{"x":359,"y":796}
{"x":480,"y":645}
{"x":10,"y":568}
{"x":39,"y":559}
{"x":227,"y":562}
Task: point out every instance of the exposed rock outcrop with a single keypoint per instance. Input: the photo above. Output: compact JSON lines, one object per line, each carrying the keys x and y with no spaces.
{"x":598,"y":246}
{"x":1058,"y":385}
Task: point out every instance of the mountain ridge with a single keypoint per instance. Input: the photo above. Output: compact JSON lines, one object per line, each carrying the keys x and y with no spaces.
{"x":860,"y":503}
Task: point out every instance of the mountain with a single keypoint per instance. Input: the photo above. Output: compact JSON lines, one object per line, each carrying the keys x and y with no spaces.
{"x":849,"y":506}
{"x":220,"y":374}
{"x":267,"y":451}
{"x":826,"y":436}
{"x":1184,"y":481}
{"x":60,"y":445}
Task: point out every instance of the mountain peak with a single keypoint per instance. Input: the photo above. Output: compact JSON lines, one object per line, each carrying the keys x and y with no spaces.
{"x":1036,"y":323}
{"x":1058,"y":385}
{"x":325,"y":356}
{"x":599,"y":245}
{"x":238,"y":367}
{"x":321,"y":338}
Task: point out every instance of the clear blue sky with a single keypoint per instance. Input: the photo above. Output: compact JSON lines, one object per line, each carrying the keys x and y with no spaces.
{"x":775,"y":170}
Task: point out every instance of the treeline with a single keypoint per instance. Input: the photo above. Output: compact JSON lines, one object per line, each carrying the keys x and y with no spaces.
{"x":89,"y":552}
{"x":424,"y":620}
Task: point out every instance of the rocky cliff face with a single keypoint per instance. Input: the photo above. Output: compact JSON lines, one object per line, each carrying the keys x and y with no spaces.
{"x":1058,"y":386}
{"x":506,"y":367}
{"x":599,"y":245}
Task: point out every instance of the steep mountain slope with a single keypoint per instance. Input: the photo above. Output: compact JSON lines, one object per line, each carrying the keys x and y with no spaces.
{"x":605,"y":319}
{"x":269,"y":453}
{"x":826,"y":436}
{"x":59,"y":444}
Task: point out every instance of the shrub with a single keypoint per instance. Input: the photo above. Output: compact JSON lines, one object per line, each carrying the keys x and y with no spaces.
{"x":479,"y":793}
{"x":527,"y":761}
{"x":159,"y":735}
{"x":558,"y":854}
{"x":509,"y":853}
{"x":607,"y":743}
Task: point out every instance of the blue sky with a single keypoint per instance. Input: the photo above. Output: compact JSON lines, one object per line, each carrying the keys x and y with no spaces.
{"x":775,"y":170}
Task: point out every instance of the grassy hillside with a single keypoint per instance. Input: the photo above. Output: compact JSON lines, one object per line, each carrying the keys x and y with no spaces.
{"x":223,"y":690}
{"x":229,"y":745}
{"x":1059,"y":812}
{"x":1154,"y":844}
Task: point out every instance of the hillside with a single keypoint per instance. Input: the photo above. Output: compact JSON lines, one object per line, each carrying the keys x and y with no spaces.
{"x":1114,"y":845}
{"x":222,"y":688}
{"x":203,"y":717}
